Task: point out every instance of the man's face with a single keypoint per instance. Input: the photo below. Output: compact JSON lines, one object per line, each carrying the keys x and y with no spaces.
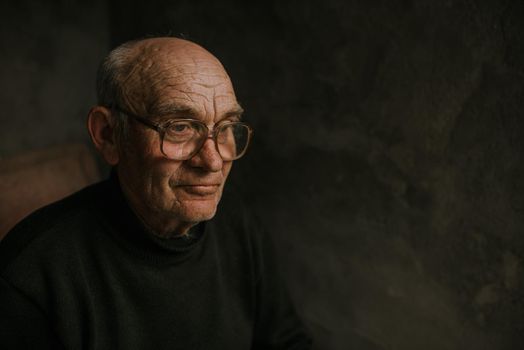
{"x":165,"y":192}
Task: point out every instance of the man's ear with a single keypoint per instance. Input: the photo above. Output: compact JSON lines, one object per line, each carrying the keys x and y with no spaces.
{"x":102,"y":128}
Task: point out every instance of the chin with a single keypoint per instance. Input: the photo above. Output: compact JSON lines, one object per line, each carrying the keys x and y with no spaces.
{"x":197,"y":211}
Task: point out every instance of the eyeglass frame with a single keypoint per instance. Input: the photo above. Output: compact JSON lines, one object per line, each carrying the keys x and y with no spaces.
{"x":213,"y":133}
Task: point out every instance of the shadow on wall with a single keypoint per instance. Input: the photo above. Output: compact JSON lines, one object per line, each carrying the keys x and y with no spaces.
{"x":48,"y":68}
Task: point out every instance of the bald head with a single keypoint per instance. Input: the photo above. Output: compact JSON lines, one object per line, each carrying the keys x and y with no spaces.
{"x":136,"y":74}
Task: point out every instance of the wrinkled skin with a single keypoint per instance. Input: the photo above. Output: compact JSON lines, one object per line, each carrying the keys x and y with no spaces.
{"x":171,"y":196}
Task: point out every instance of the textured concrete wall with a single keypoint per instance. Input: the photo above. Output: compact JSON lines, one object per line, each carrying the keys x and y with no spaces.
{"x":387,"y":161}
{"x":49,"y":53}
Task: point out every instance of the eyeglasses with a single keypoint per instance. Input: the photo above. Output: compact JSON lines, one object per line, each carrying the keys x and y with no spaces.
{"x":181,"y":139}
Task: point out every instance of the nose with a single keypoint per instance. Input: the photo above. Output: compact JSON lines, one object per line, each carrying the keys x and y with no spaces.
{"x":207,"y":158}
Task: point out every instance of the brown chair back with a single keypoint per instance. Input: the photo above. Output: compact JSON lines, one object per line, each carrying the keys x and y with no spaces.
{"x":31,"y":180}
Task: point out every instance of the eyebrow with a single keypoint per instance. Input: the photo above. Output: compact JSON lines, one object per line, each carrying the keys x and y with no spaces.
{"x":236,"y":111}
{"x":178,"y":110}
{"x":174,"y":109}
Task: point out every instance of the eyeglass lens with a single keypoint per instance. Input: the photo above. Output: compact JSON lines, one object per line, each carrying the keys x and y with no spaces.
{"x":183,"y":139}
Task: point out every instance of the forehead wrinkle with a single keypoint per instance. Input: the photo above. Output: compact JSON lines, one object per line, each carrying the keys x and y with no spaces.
{"x":208,"y":60}
{"x":139,"y":83}
{"x":204,"y":64}
{"x":175,"y":81}
{"x":157,"y":67}
{"x":175,"y":76}
{"x":209,"y":86}
{"x":227,"y":96}
{"x":214,"y":103}
{"x":196,"y":74}
{"x":182,"y":63}
{"x":194,"y":93}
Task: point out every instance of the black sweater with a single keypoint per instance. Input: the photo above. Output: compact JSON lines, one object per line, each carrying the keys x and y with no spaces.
{"x":82,"y":273}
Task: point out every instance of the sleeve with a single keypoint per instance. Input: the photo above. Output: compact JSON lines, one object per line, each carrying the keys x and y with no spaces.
{"x":277,"y":325}
{"x":22,"y":324}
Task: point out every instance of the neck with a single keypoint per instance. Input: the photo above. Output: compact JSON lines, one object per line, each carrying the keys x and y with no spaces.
{"x":164,"y":231}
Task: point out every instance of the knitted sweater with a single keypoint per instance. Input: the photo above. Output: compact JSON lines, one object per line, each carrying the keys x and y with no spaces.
{"x":82,"y":273}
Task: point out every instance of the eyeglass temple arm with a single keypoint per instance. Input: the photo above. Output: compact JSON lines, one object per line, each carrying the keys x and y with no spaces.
{"x":139,"y":119}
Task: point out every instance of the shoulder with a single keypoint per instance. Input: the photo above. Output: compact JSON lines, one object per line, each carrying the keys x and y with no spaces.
{"x":52,"y":223}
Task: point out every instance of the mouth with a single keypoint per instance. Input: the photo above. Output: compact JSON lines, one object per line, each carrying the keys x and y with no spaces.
{"x":201,"y":189}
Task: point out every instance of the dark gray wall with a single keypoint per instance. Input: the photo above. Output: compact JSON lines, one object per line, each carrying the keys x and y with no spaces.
{"x":387,"y":160}
{"x":49,"y":53}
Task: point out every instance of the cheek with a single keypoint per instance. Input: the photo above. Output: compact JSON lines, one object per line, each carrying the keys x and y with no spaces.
{"x":142,"y":160}
{"x":144,"y":150}
{"x":226,"y":168}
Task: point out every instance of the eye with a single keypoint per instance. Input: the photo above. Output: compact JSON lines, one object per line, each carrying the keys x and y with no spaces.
{"x":180,"y":131}
{"x":179,"y":127}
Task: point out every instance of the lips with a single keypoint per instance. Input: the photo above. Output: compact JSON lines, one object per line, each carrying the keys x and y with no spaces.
{"x":200,"y":189}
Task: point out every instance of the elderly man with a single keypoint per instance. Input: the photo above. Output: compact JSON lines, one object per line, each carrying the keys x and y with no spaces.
{"x":141,"y":261}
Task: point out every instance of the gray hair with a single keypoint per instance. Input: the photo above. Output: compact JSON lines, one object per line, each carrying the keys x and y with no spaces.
{"x":112,"y":72}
